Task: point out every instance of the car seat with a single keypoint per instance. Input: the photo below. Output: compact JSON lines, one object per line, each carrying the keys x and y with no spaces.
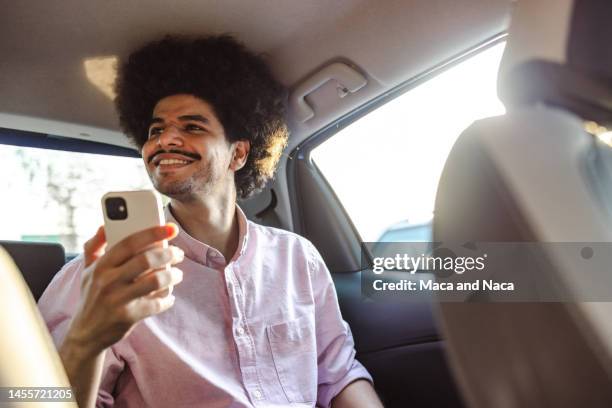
{"x":28,"y":357}
{"x":535,"y":175}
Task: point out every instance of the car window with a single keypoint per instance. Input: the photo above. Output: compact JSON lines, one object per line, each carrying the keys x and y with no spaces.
{"x":54,"y":196}
{"x":385,"y":167}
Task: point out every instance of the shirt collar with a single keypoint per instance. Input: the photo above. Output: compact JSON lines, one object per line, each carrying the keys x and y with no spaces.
{"x":203,"y":253}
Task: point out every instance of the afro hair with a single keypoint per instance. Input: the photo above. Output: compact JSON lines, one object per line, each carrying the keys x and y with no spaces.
{"x":249,"y":102}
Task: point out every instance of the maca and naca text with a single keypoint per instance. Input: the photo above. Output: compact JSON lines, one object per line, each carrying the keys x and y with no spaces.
{"x":431,"y":285}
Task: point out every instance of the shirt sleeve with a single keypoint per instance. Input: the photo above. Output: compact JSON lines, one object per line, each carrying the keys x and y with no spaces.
{"x":337,"y":366}
{"x":58,"y":304}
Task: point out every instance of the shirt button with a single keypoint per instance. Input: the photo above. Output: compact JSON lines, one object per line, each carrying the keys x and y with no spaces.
{"x":240,"y":331}
{"x":257,"y":394}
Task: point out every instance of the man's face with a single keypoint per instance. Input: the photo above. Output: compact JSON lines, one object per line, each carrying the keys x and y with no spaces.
{"x":187,"y":153}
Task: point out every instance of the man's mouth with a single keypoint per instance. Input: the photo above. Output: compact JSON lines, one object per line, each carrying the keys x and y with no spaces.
{"x":165,"y":165}
{"x":172,"y":164}
{"x":171,"y":161}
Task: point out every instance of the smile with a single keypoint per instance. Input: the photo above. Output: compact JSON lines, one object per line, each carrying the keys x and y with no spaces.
{"x":171,"y":165}
{"x":167,"y":162}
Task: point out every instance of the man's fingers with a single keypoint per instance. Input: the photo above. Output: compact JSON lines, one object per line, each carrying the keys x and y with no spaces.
{"x":151,"y":259}
{"x":150,"y":283}
{"x":143,"y":307}
{"x":94,"y":248}
{"x":137,"y":242}
{"x":162,"y":292}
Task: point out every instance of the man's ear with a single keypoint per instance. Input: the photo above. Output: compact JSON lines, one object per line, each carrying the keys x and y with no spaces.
{"x":241,"y":154}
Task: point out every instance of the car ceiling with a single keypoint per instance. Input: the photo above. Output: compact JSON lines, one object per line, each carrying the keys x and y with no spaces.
{"x":44,"y":45}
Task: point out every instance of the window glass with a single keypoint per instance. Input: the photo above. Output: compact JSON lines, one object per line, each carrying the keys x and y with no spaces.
{"x":54,"y":196}
{"x":385,"y":167}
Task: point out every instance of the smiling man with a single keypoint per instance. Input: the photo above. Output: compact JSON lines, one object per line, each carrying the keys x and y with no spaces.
{"x":255,"y":321}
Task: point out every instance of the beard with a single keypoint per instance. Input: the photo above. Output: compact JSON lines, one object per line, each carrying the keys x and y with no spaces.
{"x":200,"y":182}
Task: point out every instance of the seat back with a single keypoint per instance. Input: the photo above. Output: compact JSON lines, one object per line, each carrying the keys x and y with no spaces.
{"x":28,"y":357}
{"x":38,"y":262}
{"x":493,"y":189}
{"x":535,"y":175}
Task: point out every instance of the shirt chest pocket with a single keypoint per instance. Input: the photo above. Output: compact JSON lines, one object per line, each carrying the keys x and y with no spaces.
{"x":294,"y":351}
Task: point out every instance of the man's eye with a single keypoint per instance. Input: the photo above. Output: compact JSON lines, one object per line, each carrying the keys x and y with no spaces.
{"x":193,"y":128}
{"x":155,"y":131}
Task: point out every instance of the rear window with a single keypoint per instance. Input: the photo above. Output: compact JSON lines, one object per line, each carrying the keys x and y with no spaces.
{"x":54,"y":196}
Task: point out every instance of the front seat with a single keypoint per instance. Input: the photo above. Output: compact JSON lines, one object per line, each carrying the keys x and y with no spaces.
{"x":536,"y":175}
{"x":28,"y":357}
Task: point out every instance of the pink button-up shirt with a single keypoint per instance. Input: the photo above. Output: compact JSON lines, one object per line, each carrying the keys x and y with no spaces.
{"x":262,"y":330}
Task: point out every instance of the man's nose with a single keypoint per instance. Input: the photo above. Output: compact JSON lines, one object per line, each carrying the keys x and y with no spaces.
{"x":170,"y":136}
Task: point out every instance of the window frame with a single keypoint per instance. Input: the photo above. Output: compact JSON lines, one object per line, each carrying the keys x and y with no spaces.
{"x":24,"y":138}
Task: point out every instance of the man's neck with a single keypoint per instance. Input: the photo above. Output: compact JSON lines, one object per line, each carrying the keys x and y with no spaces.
{"x":213,"y":223}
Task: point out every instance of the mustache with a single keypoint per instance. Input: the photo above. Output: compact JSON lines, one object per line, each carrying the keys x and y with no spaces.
{"x":193,"y":156}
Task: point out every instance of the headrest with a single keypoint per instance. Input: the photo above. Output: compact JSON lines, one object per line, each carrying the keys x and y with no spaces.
{"x":559,"y":53}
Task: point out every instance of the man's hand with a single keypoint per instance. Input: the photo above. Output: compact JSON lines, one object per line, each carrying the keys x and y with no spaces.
{"x":115,"y":286}
{"x":119,"y":288}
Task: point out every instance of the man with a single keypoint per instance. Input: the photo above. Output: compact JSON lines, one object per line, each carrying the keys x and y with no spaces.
{"x":255,"y":321}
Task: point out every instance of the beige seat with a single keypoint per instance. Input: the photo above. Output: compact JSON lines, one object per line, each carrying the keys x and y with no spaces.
{"x":535,"y":175}
{"x":28,"y":357}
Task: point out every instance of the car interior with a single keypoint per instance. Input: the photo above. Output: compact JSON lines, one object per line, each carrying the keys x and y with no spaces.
{"x":530,"y":172}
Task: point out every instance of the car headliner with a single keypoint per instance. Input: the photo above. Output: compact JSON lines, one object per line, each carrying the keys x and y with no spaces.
{"x":44,"y":46}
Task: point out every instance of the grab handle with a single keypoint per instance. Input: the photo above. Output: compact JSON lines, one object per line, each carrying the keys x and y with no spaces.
{"x":348,"y":80}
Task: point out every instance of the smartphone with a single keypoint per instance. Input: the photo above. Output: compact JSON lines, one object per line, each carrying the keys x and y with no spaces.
{"x":127,"y":212}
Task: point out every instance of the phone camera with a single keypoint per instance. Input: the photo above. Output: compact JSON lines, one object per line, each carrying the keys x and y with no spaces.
{"x":116,"y":208}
